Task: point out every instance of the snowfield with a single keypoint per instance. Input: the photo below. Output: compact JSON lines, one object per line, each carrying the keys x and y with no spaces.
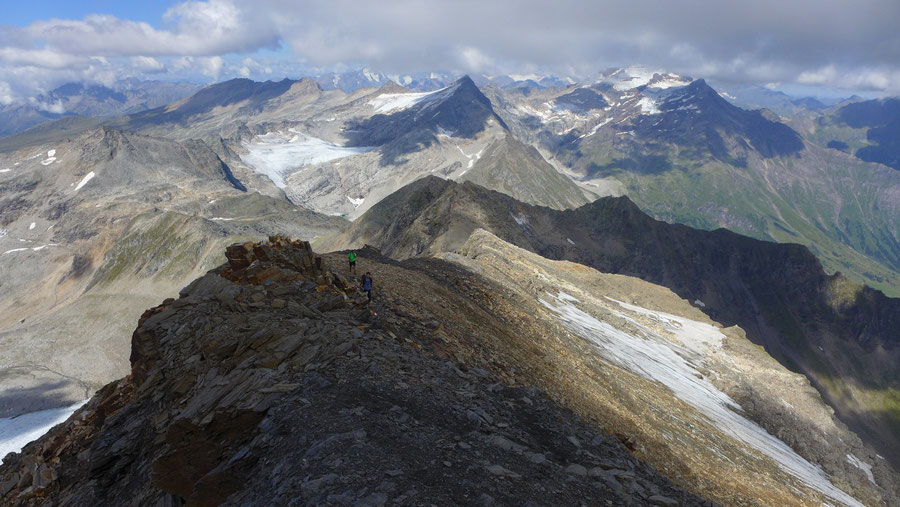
{"x":393,"y":102}
{"x":277,"y":155}
{"x":16,"y":432}
{"x":676,"y":366}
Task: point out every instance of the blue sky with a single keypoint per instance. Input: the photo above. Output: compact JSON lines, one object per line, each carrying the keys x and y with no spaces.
{"x":24,"y":12}
{"x":832,"y":46}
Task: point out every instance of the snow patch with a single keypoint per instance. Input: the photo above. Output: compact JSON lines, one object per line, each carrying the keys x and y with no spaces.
{"x":570,"y":241}
{"x":472,"y":158}
{"x":48,"y":161}
{"x":699,"y":303}
{"x":277,"y":155}
{"x":656,"y":358}
{"x":525,"y":77}
{"x":519,"y":218}
{"x":3,"y":232}
{"x":32,"y":226}
{"x":17,"y":432}
{"x":444,"y":132}
{"x":862,"y":465}
{"x":669,"y":81}
{"x":5,"y":170}
{"x":87,"y":177}
{"x":223,"y":219}
{"x":356,"y":202}
{"x":51,"y":153}
{"x":596,"y":128}
{"x":35,"y":249}
{"x":392,"y":102}
{"x":648,"y":106}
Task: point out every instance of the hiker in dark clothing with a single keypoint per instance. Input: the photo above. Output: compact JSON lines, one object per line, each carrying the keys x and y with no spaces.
{"x":352,"y":258}
{"x":367,"y":285}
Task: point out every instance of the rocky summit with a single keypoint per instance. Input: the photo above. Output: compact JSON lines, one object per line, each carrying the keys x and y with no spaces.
{"x":271,"y":380}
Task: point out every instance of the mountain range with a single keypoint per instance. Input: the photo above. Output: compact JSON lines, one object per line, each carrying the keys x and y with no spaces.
{"x":537,"y":233}
{"x":91,"y":100}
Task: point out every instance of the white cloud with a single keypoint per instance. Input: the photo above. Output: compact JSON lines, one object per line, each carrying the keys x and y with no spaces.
{"x":211,"y":66}
{"x":147,"y":64}
{"x":56,"y":107}
{"x":6,"y":94}
{"x":804,"y":41}
{"x":474,"y":60}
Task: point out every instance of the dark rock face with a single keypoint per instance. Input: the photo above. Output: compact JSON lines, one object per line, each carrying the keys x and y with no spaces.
{"x":582,"y":99}
{"x":271,"y":380}
{"x":882,"y":118}
{"x":220,"y":94}
{"x":698,"y":109}
{"x":460,"y":108}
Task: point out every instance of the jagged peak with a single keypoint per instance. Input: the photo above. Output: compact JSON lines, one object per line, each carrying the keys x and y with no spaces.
{"x":306,"y":85}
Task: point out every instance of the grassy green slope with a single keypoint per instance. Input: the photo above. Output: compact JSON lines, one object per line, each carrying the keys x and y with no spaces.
{"x":823,"y":199}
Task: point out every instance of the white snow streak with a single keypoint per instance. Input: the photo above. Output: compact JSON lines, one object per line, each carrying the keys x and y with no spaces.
{"x":862,"y":465}
{"x":596,"y":128}
{"x":656,"y":358}
{"x":472,"y":158}
{"x":16,"y":432}
{"x":519,"y":218}
{"x":356,"y":202}
{"x":32,"y":226}
{"x":35,"y":249}
{"x":87,"y":177}
{"x":393,"y":102}
{"x":5,"y":170}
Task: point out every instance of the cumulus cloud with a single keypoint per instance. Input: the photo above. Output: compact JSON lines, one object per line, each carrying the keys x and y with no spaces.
{"x":147,"y":64}
{"x":853,"y":45}
{"x":763,"y":41}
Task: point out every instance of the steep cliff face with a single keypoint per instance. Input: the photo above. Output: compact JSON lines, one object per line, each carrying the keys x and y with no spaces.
{"x":271,"y":381}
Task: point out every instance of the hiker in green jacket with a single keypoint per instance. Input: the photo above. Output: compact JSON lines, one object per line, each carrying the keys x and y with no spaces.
{"x":352,"y":258}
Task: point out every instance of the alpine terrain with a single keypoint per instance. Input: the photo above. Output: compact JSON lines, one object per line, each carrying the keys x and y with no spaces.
{"x":626,"y":288}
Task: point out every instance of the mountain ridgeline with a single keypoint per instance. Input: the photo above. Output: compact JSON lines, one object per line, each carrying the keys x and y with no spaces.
{"x":840,"y":334}
{"x":698,"y":116}
{"x":460,"y":109}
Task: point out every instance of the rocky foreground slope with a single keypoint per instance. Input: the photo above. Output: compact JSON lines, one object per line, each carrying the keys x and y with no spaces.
{"x":270,"y":381}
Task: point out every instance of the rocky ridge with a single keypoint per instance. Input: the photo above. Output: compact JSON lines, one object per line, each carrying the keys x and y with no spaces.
{"x":270,"y":380}
{"x":779,"y":294}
